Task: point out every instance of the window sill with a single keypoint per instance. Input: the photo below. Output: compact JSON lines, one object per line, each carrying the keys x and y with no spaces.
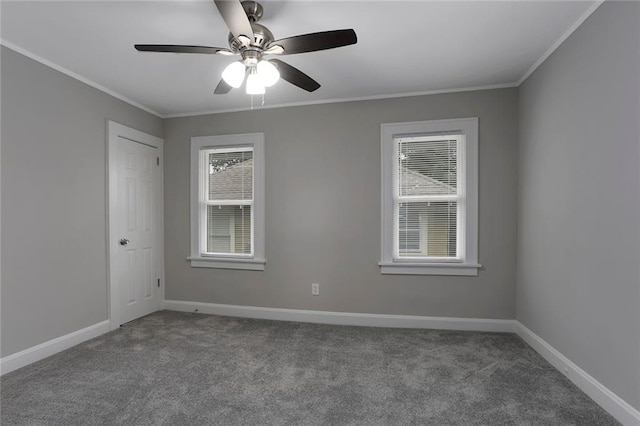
{"x":227,"y":263}
{"x":461,"y":269}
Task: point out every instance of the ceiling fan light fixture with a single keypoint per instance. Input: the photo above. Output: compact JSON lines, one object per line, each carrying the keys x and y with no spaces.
{"x":253,"y":41}
{"x":233,"y":74}
{"x":268,"y":73}
{"x":255,"y":86}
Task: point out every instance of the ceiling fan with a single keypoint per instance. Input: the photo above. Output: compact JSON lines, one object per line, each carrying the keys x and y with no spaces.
{"x":253,"y":42}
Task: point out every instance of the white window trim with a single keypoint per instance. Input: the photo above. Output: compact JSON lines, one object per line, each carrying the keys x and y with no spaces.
{"x":229,"y":261}
{"x":469,"y":262}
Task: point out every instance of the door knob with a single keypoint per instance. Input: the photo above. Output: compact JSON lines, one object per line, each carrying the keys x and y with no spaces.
{"x":124,"y":241}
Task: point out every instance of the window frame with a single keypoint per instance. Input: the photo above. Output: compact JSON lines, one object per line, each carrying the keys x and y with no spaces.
{"x":467,"y":239}
{"x":200,"y":259}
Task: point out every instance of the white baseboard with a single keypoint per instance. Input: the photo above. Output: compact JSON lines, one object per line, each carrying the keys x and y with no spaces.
{"x":616,"y":406}
{"x":343,"y":318}
{"x":43,"y":350}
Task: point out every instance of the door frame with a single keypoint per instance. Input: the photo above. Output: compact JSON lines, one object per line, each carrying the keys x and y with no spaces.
{"x":114,"y":131}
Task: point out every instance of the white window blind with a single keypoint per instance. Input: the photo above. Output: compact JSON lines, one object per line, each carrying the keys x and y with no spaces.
{"x":429,"y":190}
{"x":430,"y":197}
{"x":227,"y":200}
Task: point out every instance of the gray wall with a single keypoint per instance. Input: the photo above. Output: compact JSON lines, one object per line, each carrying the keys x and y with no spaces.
{"x":54,"y":267}
{"x":323,"y":210}
{"x":578,"y":221}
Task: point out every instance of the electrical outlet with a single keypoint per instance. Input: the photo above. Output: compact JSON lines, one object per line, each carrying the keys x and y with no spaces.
{"x":315,"y":289}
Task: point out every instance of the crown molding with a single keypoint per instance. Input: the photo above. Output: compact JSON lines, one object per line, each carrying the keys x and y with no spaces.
{"x":561,"y":40}
{"x":341,"y":100}
{"x":76,"y":76}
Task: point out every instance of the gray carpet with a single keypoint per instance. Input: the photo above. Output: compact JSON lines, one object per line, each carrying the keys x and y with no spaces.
{"x":173,"y":368}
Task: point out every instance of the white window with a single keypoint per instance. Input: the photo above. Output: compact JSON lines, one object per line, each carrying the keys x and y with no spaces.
{"x":227,"y":201}
{"x":429,"y":197}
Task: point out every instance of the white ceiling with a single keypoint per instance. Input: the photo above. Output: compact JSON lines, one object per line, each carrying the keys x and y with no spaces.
{"x":404,"y":47}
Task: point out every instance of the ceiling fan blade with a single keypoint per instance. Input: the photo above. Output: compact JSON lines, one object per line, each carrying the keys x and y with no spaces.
{"x":316,"y":41}
{"x":222,"y":88}
{"x":175,"y":48}
{"x":236,"y":18}
{"x":274,"y":49}
{"x":295,"y":76}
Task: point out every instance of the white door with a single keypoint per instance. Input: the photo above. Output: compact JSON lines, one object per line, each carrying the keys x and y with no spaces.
{"x":135,"y":233}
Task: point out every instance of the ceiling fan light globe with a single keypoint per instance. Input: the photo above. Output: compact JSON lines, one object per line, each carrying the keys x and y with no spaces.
{"x":268,"y":73}
{"x":233,"y":74}
{"x":255,"y":85}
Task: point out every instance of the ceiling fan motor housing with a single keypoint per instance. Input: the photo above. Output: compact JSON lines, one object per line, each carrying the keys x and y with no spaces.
{"x":261,"y":34}
{"x":262,"y":37}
